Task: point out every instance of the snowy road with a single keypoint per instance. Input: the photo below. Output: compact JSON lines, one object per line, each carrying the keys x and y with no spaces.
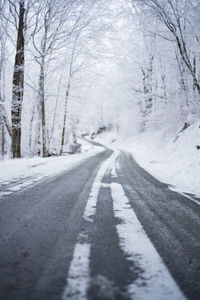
{"x":103,"y":230}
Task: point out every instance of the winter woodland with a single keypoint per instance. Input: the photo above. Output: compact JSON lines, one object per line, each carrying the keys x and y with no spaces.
{"x":68,"y":67}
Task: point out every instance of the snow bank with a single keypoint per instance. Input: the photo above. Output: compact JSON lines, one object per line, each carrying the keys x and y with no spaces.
{"x":175,"y":163}
{"x":20,"y":173}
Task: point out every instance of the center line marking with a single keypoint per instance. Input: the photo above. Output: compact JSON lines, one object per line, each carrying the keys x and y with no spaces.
{"x":78,"y":280}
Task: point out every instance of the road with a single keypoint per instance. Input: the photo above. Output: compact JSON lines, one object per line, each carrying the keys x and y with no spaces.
{"x":105,"y":230}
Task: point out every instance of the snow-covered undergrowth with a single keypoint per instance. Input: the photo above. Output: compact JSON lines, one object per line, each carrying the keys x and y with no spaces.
{"x":20,"y":173}
{"x":174,"y":162}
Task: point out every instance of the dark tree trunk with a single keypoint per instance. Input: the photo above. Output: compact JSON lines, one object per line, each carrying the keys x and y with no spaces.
{"x":185,"y":57}
{"x":42,"y":106}
{"x":2,"y":140}
{"x":30,"y":131}
{"x":63,"y":135}
{"x":65,"y":119}
{"x":18,"y":86}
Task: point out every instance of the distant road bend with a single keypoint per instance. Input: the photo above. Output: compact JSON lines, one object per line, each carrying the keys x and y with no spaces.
{"x":104,"y":230}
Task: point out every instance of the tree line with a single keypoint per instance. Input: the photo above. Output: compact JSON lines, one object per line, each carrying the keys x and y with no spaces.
{"x":46,"y":33}
{"x":61,"y":47}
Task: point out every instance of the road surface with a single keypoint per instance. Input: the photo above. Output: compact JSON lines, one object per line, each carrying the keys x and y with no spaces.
{"x":104,"y":230}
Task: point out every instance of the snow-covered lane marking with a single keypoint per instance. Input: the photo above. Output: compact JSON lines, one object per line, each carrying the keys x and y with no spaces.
{"x":155,"y":281}
{"x":114,"y":169}
{"x":90,"y":210}
{"x":78,"y":280}
{"x":79,"y":273}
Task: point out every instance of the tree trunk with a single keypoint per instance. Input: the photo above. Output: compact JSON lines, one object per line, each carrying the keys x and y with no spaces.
{"x":18,"y":86}
{"x":184,"y":55}
{"x":30,"y":131}
{"x":56,"y":106}
{"x":2,"y":140}
{"x":63,"y":134}
{"x":42,"y":107}
{"x":64,"y":120}
{"x":38,"y":134}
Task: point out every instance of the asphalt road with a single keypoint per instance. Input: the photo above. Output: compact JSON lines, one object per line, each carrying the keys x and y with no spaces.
{"x":39,"y":228}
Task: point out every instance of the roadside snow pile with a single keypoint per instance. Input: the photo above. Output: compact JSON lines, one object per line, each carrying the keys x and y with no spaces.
{"x":174,"y":162}
{"x":20,"y":173}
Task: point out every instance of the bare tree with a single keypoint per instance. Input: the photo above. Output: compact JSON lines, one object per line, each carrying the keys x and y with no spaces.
{"x":172,"y":14}
{"x":49,"y":38}
{"x":69,"y":81}
{"x":18,"y":83}
{"x":4,"y":122}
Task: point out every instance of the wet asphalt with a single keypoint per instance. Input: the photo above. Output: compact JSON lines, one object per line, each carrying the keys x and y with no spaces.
{"x":40,"y":225}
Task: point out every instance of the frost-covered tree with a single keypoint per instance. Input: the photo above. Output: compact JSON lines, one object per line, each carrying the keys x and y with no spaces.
{"x":18,"y":78}
{"x":57,"y":21}
{"x":3,"y":118}
{"x":178,"y":19}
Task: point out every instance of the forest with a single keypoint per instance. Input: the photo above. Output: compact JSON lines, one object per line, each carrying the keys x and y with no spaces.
{"x":70,"y":67}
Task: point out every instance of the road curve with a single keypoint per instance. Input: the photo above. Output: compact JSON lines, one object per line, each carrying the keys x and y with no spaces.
{"x":40,"y":226}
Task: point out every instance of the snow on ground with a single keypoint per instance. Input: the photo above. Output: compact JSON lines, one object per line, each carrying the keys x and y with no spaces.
{"x":175,"y":163}
{"x":20,"y":173}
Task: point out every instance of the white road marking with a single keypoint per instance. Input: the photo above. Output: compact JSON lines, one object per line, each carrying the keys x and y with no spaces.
{"x":113,"y":170}
{"x":90,"y":210}
{"x":105,"y":185}
{"x":79,"y":272}
{"x":155,"y":281}
{"x":117,"y":166}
